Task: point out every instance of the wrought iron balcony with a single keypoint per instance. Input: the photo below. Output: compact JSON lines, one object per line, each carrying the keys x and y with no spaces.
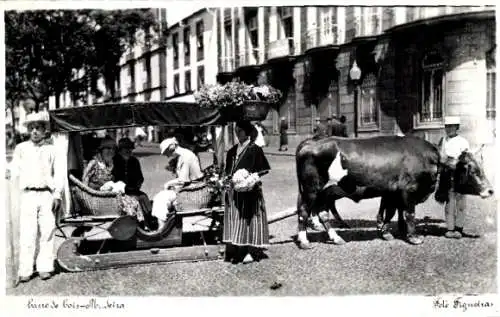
{"x":323,"y":35}
{"x":282,"y":47}
{"x":227,"y":64}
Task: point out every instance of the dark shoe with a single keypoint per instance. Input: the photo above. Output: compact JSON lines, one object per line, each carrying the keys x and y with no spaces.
{"x":45,"y":276}
{"x":24,"y":279}
{"x":258,"y":254}
{"x":451,"y":234}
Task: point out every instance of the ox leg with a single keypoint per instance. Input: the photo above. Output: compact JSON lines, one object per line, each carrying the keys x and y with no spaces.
{"x":335,"y":213}
{"x":332,"y":234}
{"x":411,"y":235}
{"x":303,"y":216}
{"x":385,"y":232}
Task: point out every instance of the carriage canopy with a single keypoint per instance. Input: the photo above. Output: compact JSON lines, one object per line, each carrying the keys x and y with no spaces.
{"x":133,"y":114}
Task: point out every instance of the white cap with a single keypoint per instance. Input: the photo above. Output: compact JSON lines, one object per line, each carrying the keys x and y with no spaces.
{"x":449,"y":120}
{"x":42,"y":116}
{"x":165,"y":144}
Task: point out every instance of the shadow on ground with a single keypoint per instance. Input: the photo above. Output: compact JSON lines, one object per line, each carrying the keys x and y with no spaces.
{"x":366,"y":230}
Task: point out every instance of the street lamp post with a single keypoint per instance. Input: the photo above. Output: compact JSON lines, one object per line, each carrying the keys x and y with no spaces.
{"x":355,"y":74}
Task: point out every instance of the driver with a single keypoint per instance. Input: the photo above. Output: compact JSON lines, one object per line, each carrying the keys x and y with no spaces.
{"x":187,"y":170}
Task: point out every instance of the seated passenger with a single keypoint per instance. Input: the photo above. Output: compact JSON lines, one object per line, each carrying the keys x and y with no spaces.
{"x":127,"y":169}
{"x":98,"y":175}
{"x":187,"y":170}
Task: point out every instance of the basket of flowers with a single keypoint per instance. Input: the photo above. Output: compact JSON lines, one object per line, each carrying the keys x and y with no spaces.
{"x":239,"y":100}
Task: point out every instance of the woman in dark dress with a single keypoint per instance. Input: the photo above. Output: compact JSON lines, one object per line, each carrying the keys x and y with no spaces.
{"x":246,"y":231}
{"x":127,"y":169}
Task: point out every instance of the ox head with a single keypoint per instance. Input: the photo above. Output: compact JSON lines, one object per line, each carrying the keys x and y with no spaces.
{"x":470,"y":177}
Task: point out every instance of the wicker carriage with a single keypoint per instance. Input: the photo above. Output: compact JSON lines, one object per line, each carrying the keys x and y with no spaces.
{"x":97,"y":234}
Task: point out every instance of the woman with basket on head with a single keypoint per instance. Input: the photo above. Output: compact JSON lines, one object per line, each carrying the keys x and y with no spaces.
{"x":246,"y":231}
{"x":98,"y":175}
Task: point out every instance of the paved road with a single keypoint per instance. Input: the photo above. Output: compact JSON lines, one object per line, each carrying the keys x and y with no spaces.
{"x":365,"y":265}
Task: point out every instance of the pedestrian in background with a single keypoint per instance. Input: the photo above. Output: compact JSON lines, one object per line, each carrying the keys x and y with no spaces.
{"x":283,"y":135}
{"x":339,"y":127}
{"x":320,"y":130}
{"x":329,"y":126}
{"x":260,"y":140}
{"x":35,"y":167}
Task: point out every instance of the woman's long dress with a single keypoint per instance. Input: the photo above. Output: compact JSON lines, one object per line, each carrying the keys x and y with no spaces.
{"x":97,"y":173}
{"x":245,"y":218}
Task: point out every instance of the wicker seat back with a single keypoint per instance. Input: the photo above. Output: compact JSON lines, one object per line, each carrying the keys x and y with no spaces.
{"x":194,"y":196}
{"x":93,"y":202}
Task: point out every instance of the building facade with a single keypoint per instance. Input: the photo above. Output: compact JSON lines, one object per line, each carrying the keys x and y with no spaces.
{"x":417,"y":65}
{"x":143,"y":69}
{"x":192,"y":52}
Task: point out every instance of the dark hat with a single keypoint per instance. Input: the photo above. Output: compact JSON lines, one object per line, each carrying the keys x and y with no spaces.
{"x":107,"y":142}
{"x":245,"y":126}
{"x":125,"y":143}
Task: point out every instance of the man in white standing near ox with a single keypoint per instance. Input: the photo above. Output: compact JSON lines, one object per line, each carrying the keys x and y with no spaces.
{"x":452,"y":146}
{"x":34,"y":164}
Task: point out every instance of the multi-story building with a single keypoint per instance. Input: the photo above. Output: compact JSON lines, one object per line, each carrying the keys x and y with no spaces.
{"x":417,"y":65}
{"x":143,"y":71}
{"x":192,"y":52}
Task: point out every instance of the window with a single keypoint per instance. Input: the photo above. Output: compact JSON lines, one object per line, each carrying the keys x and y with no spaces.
{"x":253,"y":30}
{"x":201,"y":76}
{"x":187,"y":48}
{"x":368,"y":103}
{"x":227,"y":63}
{"x":388,"y":17}
{"x":187,"y":81}
{"x":286,"y":14}
{"x":328,"y":30}
{"x":200,"y":30}
{"x":431,"y":94}
{"x":373,"y":20}
{"x":175,"y":46}
{"x":490,"y":93}
{"x":176,"y":84}
{"x":146,"y":65}
{"x":131,"y":73}
{"x":490,"y":85}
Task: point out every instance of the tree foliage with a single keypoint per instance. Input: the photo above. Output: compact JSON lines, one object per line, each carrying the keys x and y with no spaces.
{"x":46,"y":50}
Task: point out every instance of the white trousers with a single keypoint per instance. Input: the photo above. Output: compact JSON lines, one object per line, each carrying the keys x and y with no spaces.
{"x":162,"y":202}
{"x":455,"y":210}
{"x":36,"y":214}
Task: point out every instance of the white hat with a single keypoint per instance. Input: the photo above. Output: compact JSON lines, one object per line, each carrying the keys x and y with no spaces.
{"x":165,"y":144}
{"x":450,"y":120}
{"x":42,"y":116}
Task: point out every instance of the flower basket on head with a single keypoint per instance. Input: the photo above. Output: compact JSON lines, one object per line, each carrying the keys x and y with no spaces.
{"x":255,"y":110}
{"x":239,"y":100}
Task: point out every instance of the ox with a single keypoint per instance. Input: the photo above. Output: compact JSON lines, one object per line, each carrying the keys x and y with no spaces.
{"x":403,"y":170}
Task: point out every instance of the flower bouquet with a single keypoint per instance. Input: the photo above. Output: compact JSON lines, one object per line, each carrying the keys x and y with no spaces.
{"x":243,"y":181}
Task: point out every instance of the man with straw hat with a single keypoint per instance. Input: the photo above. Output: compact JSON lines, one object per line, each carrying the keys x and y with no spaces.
{"x":187,"y":169}
{"x":34,"y":167}
{"x":451,"y":147}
